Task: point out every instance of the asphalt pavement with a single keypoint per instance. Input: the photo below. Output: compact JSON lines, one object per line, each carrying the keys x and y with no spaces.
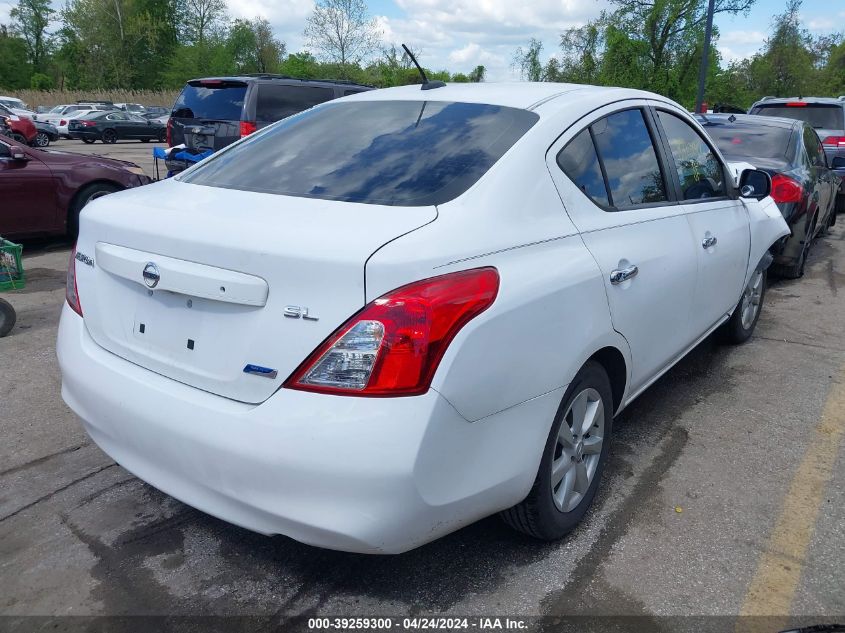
{"x":135,"y":151}
{"x":725,"y":494}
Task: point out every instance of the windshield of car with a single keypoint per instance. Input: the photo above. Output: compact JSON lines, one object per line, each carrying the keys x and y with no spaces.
{"x":14,"y":103}
{"x":91,"y":114}
{"x":749,"y":140}
{"x":211,"y":99}
{"x":822,"y":116}
{"x":401,"y":153}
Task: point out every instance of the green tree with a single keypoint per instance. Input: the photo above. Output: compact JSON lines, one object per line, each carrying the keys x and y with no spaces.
{"x":342,"y":32}
{"x":30,"y":18}
{"x":527,"y":61}
{"x":476,"y":75}
{"x":14,"y":66}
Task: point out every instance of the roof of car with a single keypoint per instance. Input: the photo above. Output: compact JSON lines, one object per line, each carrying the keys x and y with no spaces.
{"x":748,"y":119}
{"x":519,"y":94}
{"x":269,"y":76}
{"x":780,"y":100}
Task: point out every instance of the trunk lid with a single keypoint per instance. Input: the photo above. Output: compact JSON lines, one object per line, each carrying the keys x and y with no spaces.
{"x":195,"y":282}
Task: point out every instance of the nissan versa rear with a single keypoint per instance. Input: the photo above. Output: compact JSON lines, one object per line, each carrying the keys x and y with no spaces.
{"x":382,"y":319}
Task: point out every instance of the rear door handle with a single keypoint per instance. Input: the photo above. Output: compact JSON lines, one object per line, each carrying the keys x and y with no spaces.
{"x":708,"y":242}
{"x":618,"y":276}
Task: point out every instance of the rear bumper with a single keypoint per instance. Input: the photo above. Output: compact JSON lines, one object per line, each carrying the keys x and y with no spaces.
{"x":374,"y":475}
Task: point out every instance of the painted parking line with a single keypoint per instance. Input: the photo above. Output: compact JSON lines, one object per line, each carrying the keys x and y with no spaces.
{"x":773,"y":587}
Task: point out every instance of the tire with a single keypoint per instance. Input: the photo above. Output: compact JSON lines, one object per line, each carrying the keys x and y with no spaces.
{"x":162,"y":137}
{"x":19,"y":138}
{"x":109,"y":136}
{"x":42,"y":139}
{"x":740,"y":326}
{"x":7,"y":318}
{"x":88,"y":141}
{"x":83,"y":197}
{"x":547,"y":513}
{"x":840,"y":205}
{"x":145,"y":140}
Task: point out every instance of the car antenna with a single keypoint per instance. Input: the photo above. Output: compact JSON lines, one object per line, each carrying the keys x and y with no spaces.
{"x":427,"y":84}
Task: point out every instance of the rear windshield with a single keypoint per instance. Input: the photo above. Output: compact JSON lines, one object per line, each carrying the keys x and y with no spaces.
{"x":751,"y":141}
{"x":402,"y":153}
{"x":211,"y":100}
{"x":820,"y":116}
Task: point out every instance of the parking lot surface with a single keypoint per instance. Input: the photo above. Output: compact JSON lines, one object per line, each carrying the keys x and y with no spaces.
{"x":135,"y":151}
{"x":725,"y":494}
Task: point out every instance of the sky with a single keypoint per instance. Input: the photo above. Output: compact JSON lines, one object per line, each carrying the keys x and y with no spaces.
{"x":460,"y":34}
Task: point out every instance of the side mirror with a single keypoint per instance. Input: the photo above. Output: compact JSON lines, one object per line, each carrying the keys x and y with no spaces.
{"x":18,"y":155}
{"x":838,"y":163}
{"x":754,"y":183}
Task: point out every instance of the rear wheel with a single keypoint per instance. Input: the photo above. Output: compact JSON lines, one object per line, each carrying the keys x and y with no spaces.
{"x":109,"y":136}
{"x":89,"y":141}
{"x":740,"y":326}
{"x":83,"y":197}
{"x":162,"y":136}
{"x":573,"y":459}
{"x":145,"y":140}
{"x":42,"y":139}
{"x":840,"y":204}
{"x":7,"y":318}
{"x":19,"y":138}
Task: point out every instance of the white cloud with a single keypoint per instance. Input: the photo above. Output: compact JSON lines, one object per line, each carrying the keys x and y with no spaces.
{"x":459,"y":34}
{"x":739,"y":44}
{"x":286,"y":16}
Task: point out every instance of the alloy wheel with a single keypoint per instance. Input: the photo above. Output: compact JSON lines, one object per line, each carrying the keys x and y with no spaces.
{"x":577,"y":451}
{"x":751,"y":299}
{"x":42,"y":140}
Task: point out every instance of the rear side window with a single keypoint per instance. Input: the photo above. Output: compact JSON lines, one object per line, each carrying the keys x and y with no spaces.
{"x":579,"y":161}
{"x":400,"y":153}
{"x":821,"y":116}
{"x":699,"y":171}
{"x":278,"y":102}
{"x":211,"y":99}
{"x":630,"y":161}
{"x":815,"y":151}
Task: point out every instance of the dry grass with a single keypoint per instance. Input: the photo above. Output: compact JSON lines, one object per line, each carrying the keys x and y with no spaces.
{"x":35,"y":98}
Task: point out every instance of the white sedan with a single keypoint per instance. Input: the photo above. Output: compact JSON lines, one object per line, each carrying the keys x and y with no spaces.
{"x":399,"y":312}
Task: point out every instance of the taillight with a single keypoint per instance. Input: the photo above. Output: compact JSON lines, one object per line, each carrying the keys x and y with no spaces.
{"x":796,"y":104}
{"x":62,"y":122}
{"x":836,"y":141}
{"x":393,"y":346}
{"x":785,"y":189}
{"x":88,"y":123}
{"x":170,"y":132}
{"x":71,"y":291}
{"x":247,"y":128}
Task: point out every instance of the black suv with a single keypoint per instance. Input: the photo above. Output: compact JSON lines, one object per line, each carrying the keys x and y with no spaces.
{"x":826,"y":115}
{"x":214,"y":112}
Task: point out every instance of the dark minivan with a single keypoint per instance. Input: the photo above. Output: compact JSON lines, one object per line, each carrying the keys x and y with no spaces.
{"x":214,"y":112}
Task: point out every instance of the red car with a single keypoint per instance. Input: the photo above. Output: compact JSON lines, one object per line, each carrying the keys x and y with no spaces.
{"x":23,"y":129}
{"x":43,"y":191}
